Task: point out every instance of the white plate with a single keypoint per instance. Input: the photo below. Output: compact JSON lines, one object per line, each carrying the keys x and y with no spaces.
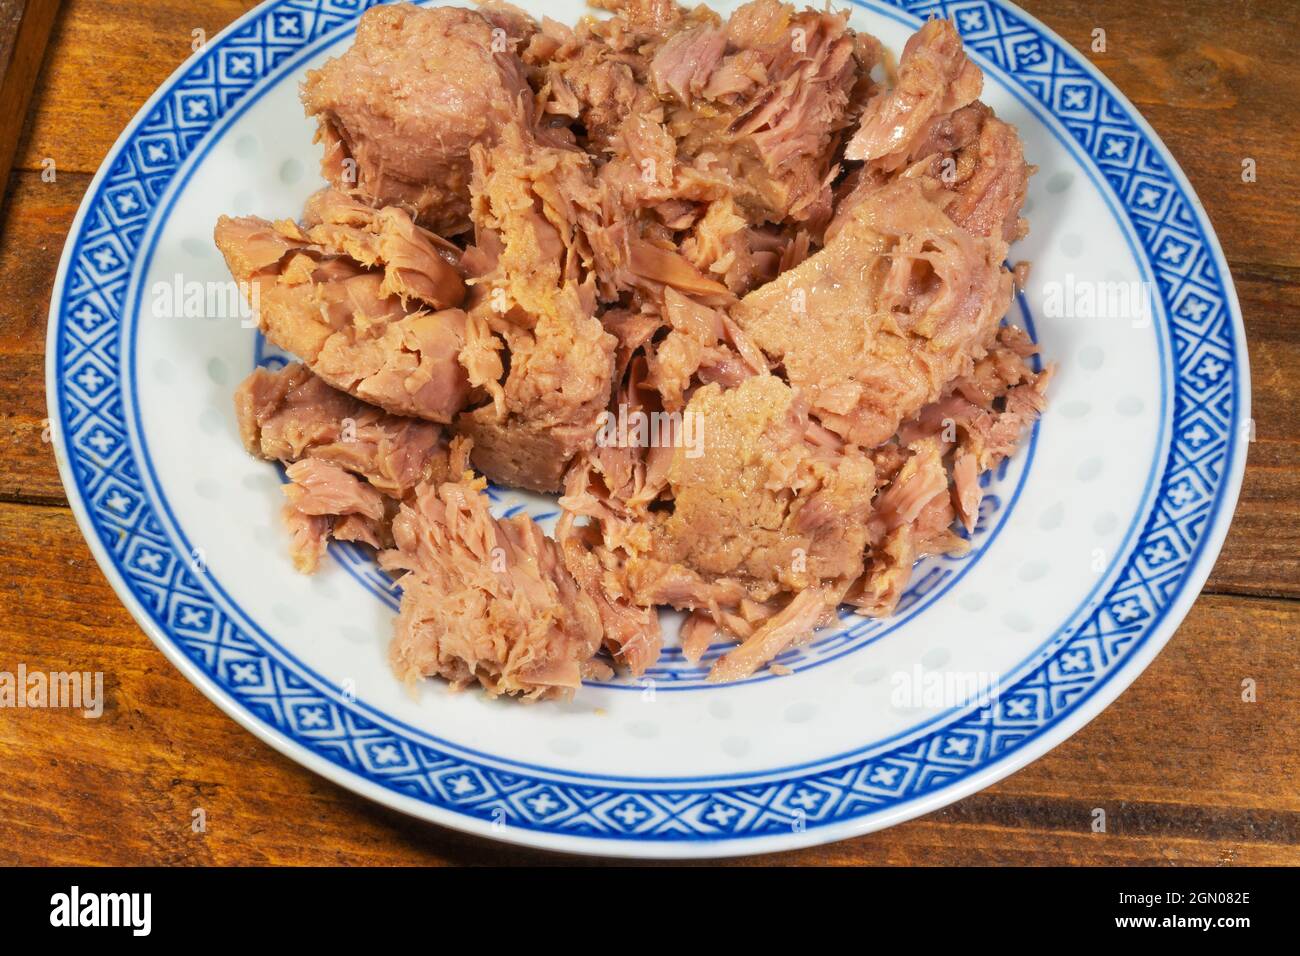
{"x":1097,"y":536}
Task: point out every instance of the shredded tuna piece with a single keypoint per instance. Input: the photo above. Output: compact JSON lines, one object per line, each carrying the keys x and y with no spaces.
{"x":348,"y":462}
{"x":987,"y":412}
{"x":376,"y":327}
{"x":966,"y":491}
{"x":664,"y":267}
{"x":486,"y":601}
{"x":631,"y":633}
{"x":698,"y":632}
{"x":291,"y":415}
{"x":323,"y":488}
{"x":654,"y":582}
{"x":414,"y":261}
{"x":990,"y":181}
{"x":934,"y":78}
{"x":528,"y":206}
{"x":684,"y":65}
{"x":791,"y":626}
{"x":890,"y":568}
{"x":308,"y":538}
{"x":397,"y":124}
{"x":873,"y":326}
{"x":931,"y":127}
{"x":325,"y":501}
{"x":774,"y":108}
{"x":922,"y":479}
{"x":760,"y":504}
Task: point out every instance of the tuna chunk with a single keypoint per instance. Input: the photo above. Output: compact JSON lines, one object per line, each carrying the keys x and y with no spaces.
{"x":349,"y":463}
{"x":932,"y":126}
{"x":975,"y":167}
{"x":631,"y":633}
{"x":323,"y":500}
{"x":989,"y":180}
{"x":522,"y":452}
{"x":702,"y":132}
{"x":935,"y":463}
{"x":292,"y":415}
{"x":792,"y":625}
{"x":535,"y":210}
{"x":934,"y":80}
{"x":363,"y":298}
{"x":591,"y":75}
{"x":701,"y":342}
{"x":761,"y":504}
{"x":400,"y":110}
{"x":486,"y":601}
{"x":898,"y":304}
{"x":766,"y":98}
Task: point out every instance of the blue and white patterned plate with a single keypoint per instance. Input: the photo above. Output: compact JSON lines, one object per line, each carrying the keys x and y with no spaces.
{"x":1094,"y":542}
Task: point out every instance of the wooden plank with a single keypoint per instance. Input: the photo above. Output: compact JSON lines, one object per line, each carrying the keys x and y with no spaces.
{"x":1215,"y":85}
{"x":1186,"y":771}
{"x":108,"y":58}
{"x":33,"y":226}
{"x":1262,"y":554}
{"x":25,"y":27}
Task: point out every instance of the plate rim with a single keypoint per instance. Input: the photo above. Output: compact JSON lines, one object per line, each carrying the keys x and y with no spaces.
{"x":994,"y":769}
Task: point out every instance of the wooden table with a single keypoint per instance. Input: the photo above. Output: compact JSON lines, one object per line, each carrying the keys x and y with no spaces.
{"x":1187,"y":771}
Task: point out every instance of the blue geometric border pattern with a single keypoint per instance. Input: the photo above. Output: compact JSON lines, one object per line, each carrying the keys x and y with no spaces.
{"x":107,"y":476}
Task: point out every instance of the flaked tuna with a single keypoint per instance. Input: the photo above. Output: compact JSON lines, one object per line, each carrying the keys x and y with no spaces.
{"x":486,"y":601}
{"x":399,"y":111}
{"x":762,"y":505}
{"x":934,"y":79}
{"x":534,"y":208}
{"x":290,"y":414}
{"x":873,"y":327}
{"x":630,"y":632}
{"x":363,"y":297}
{"x":325,"y":501}
{"x":935,"y":464}
{"x":792,"y":625}
{"x":766,"y":97}
{"x":931,"y":126}
{"x":348,"y":463}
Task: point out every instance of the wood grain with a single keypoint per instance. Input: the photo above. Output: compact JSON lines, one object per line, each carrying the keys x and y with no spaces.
{"x":1186,"y":771}
{"x":24,"y":29}
{"x":35,"y":222}
{"x":1211,"y":78}
{"x":111,"y":56}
